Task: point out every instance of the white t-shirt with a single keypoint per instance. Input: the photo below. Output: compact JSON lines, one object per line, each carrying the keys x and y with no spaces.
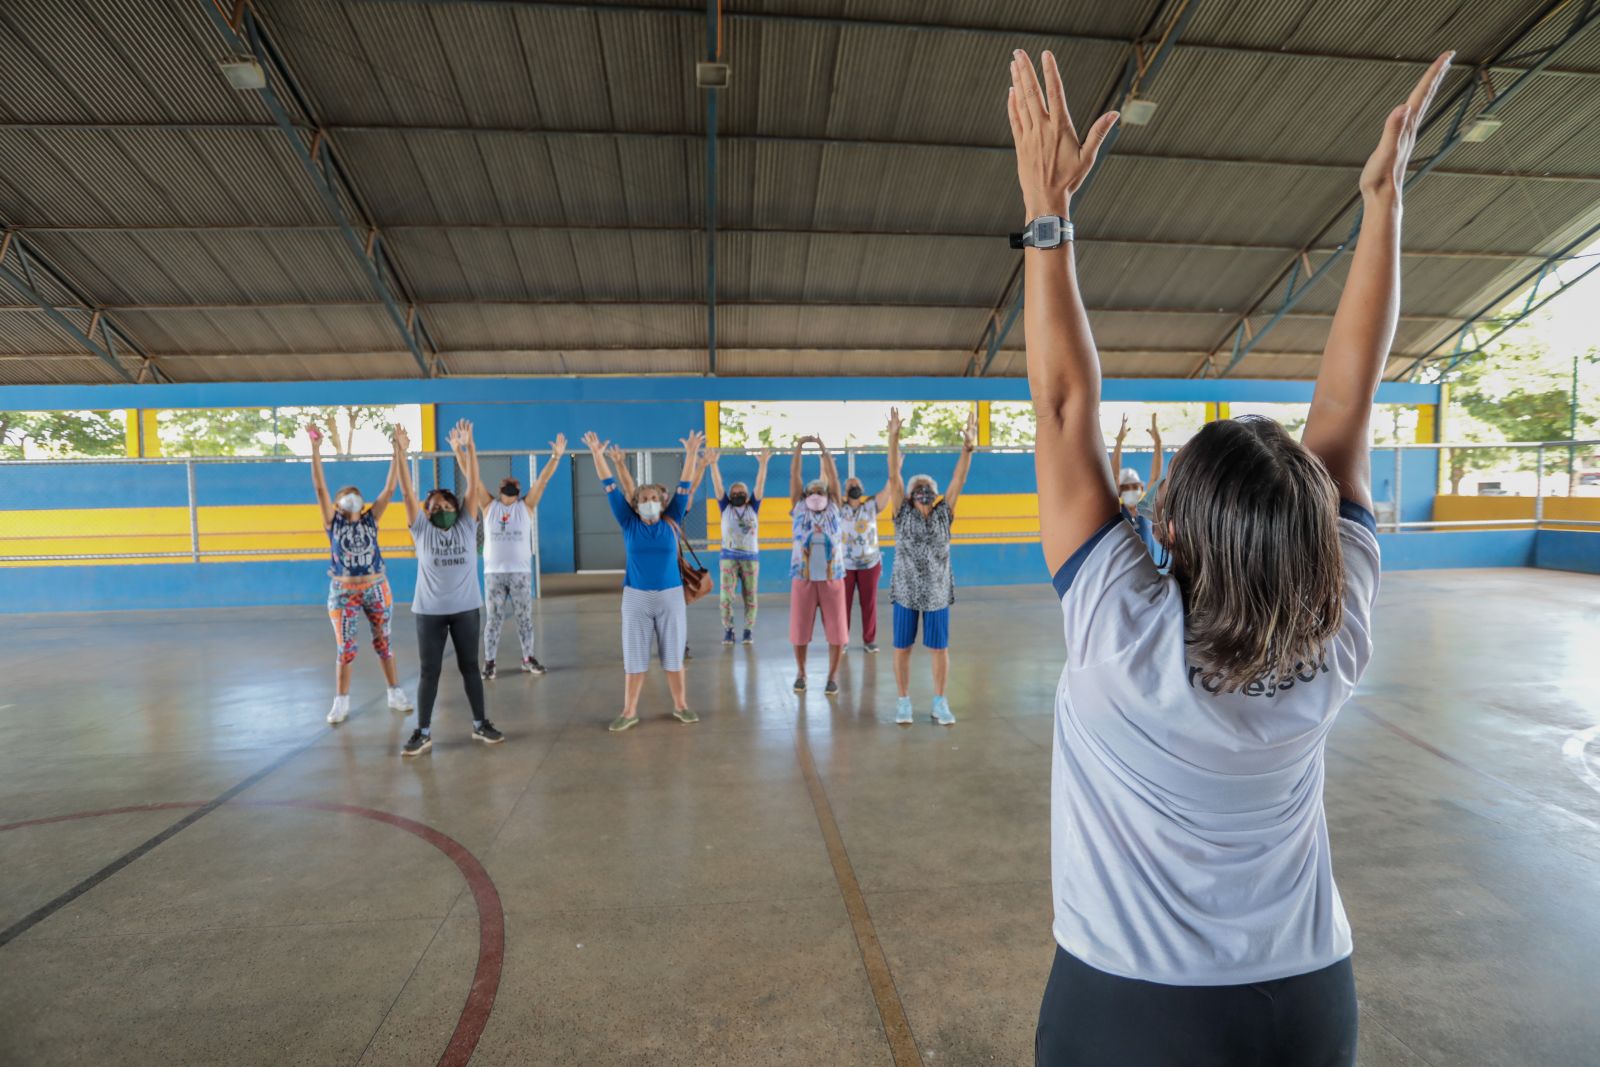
{"x":861,"y":551}
{"x":1188,"y":840}
{"x":507,"y":538}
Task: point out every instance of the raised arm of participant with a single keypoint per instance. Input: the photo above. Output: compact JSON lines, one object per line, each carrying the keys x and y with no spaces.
{"x":408,"y":492}
{"x":319,"y":480}
{"x":1116,"y":450}
{"x":797,"y":484}
{"x":619,"y":467}
{"x":716,"y":476}
{"x":897,"y":486}
{"x":558,"y":448}
{"x":958,"y":480}
{"x":763,"y":460}
{"x":691,"y":457}
{"x":707,"y":457}
{"x":397,"y":460}
{"x":1158,"y":465}
{"x":617,"y":497}
{"x":830,"y":474}
{"x":1077,"y":494}
{"x":473,"y":497}
{"x":1363,"y":326}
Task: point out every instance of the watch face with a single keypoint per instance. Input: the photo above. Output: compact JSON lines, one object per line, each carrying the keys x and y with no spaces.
{"x":1046,"y":232}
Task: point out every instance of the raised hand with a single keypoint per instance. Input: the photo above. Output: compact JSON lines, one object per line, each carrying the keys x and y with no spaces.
{"x":1155,"y":429}
{"x":1122,"y":431}
{"x":558,"y":447}
{"x":692,"y":443}
{"x":894,"y":421}
{"x":591,"y":441}
{"x":1385,"y":170}
{"x":969,"y":436}
{"x":613,"y":453}
{"x":764,"y":455}
{"x":1052,"y":161}
{"x":315,"y":433}
{"x":402,"y":440}
{"x":709,"y":456}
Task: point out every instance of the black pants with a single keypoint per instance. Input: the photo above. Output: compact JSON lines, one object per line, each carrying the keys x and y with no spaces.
{"x":1093,"y":1019}
{"x":462,"y":630}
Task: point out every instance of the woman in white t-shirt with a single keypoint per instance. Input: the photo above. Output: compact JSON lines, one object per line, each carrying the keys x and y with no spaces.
{"x":508,"y":529}
{"x":1196,"y":916}
{"x":863,"y":559}
{"x":740,"y":507}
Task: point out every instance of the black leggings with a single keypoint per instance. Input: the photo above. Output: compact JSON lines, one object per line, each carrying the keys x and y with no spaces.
{"x":1093,"y":1019}
{"x":462,"y":630}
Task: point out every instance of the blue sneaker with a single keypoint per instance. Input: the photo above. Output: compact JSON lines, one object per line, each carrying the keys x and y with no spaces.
{"x":727,"y":636}
{"x":941,"y":712}
{"x":902,"y":712}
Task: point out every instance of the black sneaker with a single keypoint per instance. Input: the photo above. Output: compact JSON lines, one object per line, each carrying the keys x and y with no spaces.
{"x":799,"y":683}
{"x":419,"y":743}
{"x":831,"y":689}
{"x":485,"y":732}
{"x":727,"y":636}
{"x":488,"y":671}
{"x":870,"y":647}
{"x":749,"y":638}
{"x":532,"y":666}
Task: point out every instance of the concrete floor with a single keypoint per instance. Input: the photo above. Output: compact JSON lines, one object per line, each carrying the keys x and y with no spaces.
{"x":669,"y":896}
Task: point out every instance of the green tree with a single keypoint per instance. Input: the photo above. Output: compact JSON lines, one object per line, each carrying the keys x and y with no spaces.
{"x":218,"y":432}
{"x":935,"y":422}
{"x":1522,"y":391}
{"x":62,"y":434}
{"x":340,"y":423}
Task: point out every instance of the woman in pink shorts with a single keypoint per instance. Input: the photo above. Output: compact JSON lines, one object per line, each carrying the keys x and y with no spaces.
{"x":816,"y":565}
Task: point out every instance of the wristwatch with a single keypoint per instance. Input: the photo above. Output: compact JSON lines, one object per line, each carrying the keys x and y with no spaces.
{"x":1046,"y":231}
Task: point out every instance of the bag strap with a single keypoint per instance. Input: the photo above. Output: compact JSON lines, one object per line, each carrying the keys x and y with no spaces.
{"x":683,"y":542}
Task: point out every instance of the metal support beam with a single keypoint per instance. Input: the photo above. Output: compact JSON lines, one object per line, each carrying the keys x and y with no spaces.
{"x":1492,"y":317}
{"x":1455,"y":107}
{"x":24,"y":278}
{"x":713,"y":55}
{"x":1138,"y":71}
{"x":327,"y":175}
{"x":1008,"y":35}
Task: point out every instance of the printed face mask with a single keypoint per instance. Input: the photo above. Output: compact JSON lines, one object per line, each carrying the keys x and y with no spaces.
{"x":922,"y":495}
{"x":350,"y":502}
{"x":816,"y":501}
{"x":443,"y":519}
{"x":1130,"y":498}
{"x":650,"y":510}
{"x":738,"y":500}
{"x":855,"y":492}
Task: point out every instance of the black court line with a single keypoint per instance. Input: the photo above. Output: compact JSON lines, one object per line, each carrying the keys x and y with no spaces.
{"x":49,"y":908}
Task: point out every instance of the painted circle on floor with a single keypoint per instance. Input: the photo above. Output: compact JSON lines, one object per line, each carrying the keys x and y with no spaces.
{"x":491,"y":916}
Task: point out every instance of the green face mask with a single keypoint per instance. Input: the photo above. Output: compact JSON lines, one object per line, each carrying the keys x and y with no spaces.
{"x":443,"y":519}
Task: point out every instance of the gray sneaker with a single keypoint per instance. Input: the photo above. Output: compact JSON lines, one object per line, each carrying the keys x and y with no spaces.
{"x":686,"y":715}
{"x":831,"y":689}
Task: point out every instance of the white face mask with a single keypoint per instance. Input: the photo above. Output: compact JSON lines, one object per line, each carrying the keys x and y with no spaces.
{"x":351,"y":502}
{"x":816,"y":501}
{"x":650,"y":510}
{"x":1130,"y":498}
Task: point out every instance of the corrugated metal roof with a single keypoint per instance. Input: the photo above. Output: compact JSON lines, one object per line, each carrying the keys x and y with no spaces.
{"x":843,"y":243}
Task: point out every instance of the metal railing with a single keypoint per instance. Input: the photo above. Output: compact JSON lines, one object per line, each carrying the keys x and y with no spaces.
{"x":193,"y":542}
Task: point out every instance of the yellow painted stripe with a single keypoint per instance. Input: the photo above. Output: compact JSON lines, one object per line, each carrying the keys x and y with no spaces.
{"x":713,"y":424}
{"x":1427,"y":423}
{"x":896,"y":1027}
{"x":430,"y":428}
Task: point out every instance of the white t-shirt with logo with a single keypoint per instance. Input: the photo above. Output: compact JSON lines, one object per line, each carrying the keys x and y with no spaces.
{"x":507,"y":538}
{"x":861,"y":552}
{"x":1188,"y":840}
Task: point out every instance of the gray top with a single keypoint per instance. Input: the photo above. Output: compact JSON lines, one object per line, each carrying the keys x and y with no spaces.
{"x":447,"y":567}
{"x":922,"y":579}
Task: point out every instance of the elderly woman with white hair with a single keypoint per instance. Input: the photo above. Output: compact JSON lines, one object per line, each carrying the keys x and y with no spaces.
{"x":1138,"y":502}
{"x":816,"y":564}
{"x":923,"y":585}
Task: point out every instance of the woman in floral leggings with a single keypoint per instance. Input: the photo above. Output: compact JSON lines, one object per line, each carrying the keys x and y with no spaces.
{"x":741,"y":542}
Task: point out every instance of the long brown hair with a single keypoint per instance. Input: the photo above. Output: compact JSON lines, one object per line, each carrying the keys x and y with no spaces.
{"x":1251,"y":520}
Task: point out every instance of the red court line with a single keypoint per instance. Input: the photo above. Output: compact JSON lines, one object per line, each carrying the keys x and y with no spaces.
{"x":491,"y":916}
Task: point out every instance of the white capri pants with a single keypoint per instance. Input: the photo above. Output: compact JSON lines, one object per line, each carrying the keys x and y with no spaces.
{"x":653,"y":613}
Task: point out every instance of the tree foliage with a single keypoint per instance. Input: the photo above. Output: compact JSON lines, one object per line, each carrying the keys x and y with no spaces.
{"x":62,"y":434}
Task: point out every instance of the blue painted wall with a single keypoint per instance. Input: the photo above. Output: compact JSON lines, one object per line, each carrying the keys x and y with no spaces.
{"x":1568,"y":550}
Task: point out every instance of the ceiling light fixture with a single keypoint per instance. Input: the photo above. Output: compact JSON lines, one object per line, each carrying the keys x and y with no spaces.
{"x":243,"y":73}
{"x":1138,"y":111}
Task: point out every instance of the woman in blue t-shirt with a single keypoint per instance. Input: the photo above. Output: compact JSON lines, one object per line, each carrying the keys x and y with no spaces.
{"x":357,"y":582}
{"x":653,"y":608}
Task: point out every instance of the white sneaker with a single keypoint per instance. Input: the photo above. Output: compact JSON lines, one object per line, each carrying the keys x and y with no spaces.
{"x":340,"y":710}
{"x":398,"y":701}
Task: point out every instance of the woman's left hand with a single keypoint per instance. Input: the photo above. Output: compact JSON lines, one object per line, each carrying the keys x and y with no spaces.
{"x":1051,"y":160}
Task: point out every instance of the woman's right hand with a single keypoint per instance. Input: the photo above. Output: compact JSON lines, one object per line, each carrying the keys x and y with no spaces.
{"x":402,"y":440}
{"x":591,"y":441}
{"x":314,"y":432}
{"x":1051,"y":161}
{"x":1122,"y":431}
{"x":894,"y":421}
